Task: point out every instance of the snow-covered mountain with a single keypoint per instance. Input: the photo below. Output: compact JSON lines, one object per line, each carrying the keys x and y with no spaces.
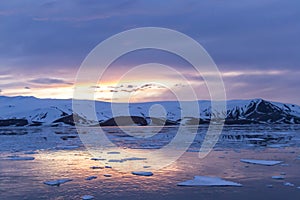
{"x":31,"y":111}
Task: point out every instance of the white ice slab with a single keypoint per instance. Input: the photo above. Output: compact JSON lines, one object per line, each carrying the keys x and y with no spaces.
{"x":67,"y":147}
{"x":91,"y":178}
{"x":96,"y":167}
{"x":262,"y":162}
{"x":278,"y":177}
{"x":98,"y":159}
{"x":20,"y":158}
{"x":87,"y":197}
{"x":142,"y":173}
{"x":208,"y":181}
{"x":57,"y":182}
{"x":30,"y":152}
{"x":288,"y":184}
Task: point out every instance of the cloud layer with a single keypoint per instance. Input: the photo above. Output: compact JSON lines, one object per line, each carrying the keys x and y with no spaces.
{"x":249,"y":41}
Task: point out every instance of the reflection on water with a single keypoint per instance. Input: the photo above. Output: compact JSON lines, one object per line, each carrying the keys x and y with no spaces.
{"x":24,"y":179}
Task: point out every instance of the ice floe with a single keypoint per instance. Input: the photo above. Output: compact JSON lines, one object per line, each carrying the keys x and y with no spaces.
{"x":87,"y":197}
{"x":284,"y":165}
{"x":98,"y":159}
{"x":107,"y":175}
{"x":208,"y":181}
{"x":288,"y":184}
{"x":30,"y":152}
{"x":278,"y":177}
{"x":71,"y":147}
{"x":19,"y":158}
{"x":142,"y":173}
{"x":96,"y":167}
{"x":116,"y":160}
{"x":113,"y":152}
{"x":127,"y":159}
{"x":91,"y":178}
{"x":57,"y":182}
{"x":262,"y":162}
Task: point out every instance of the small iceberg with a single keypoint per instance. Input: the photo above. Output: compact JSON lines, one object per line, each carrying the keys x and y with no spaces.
{"x":141,"y":173}
{"x":113,"y":152}
{"x":91,"y":178}
{"x":19,"y":158}
{"x":278,"y":177}
{"x":87,"y":197}
{"x":133,"y":159}
{"x":262,"y":162}
{"x":71,"y":147}
{"x":57,"y":182}
{"x":288,"y":184}
{"x":208,"y":181}
{"x":30,"y":152}
{"x":115,"y":160}
{"x":96,"y":167}
{"x":98,"y":159}
{"x":107,"y":175}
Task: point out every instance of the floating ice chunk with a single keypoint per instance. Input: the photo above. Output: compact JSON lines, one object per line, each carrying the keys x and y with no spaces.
{"x":87,"y":197}
{"x":19,"y":158}
{"x":298,"y":187}
{"x":133,"y":158}
{"x":284,"y":165}
{"x":277,"y":145}
{"x":262,"y":162}
{"x":126,"y":159}
{"x":57,"y":182}
{"x":91,"y":178}
{"x":67,"y":147}
{"x":208,"y":181}
{"x":108,"y":167}
{"x":98,"y":159}
{"x":113,"y":152}
{"x":96,"y":167}
{"x":278,"y":177}
{"x":31,"y":152}
{"x":115,"y":160}
{"x":141,"y":173}
{"x":107,"y":175}
{"x":270,"y":186}
{"x":288,"y":184}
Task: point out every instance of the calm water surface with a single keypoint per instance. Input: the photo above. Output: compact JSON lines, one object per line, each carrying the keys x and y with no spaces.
{"x":24,"y":179}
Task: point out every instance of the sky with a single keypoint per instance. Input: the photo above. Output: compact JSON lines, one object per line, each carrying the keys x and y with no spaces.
{"x":255,"y":44}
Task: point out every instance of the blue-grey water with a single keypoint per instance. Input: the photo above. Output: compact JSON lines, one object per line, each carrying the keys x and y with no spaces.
{"x":59,"y":153}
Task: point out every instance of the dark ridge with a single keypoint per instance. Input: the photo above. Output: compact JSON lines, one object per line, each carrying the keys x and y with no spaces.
{"x":13,"y":122}
{"x":125,"y":121}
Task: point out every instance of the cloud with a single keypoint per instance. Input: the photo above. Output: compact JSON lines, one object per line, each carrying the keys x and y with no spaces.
{"x":49,"y":81}
{"x":243,"y":38}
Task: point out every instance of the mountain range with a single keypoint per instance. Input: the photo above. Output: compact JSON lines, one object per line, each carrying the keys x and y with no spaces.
{"x":31,"y":111}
